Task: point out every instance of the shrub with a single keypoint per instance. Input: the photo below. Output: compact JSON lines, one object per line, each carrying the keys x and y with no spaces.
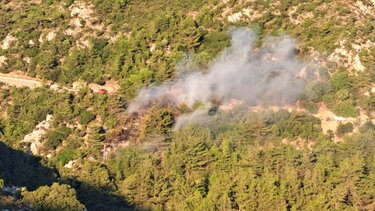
{"x":49,"y":2}
{"x":298,"y":125}
{"x":342,"y":94}
{"x":132,"y":83}
{"x":345,"y":109}
{"x":344,"y":128}
{"x":54,"y":197}
{"x":97,"y":133}
{"x":86,"y":117}
{"x":344,"y":11}
{"x":4,"y":94}
{"x":215,"y":42}
{"x":53,"y":141}
{"x":312,"y":107}
{"x":316,"y":89}
{"x":158,"y":122}
{"x":367,"y":127}
{"x":55,"y":137}
{"x":68,"y":2}
{"x":66,"y":155}
{"x":341,"y":80}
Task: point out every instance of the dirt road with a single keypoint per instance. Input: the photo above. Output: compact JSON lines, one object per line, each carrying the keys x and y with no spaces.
{"x":19,"y":82}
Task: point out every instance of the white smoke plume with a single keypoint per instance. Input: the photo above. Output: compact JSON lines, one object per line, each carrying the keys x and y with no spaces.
{"x":271,"y":75}
{"x":198,"y":116}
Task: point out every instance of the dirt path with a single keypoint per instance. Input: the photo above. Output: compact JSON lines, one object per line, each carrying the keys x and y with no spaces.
{"x":19,"y":82}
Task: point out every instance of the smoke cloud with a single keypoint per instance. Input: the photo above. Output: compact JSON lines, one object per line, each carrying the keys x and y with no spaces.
{"x":271,"y":75}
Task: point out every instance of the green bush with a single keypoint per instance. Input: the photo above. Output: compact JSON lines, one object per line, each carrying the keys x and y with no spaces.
{"x":341,"y":80}
{"x":4,"y":93}
{"x":53,"y":141}
{"x":345,"y":109}
{"x":342,"y":94}
{"x":214,"y":42}
{"x":316,"y":89}
{"x":68,"y":2}
{"x":368,"y":126}
{"x":296,"y":125}
{"x":86,"y":117}
{"x":344,"y":128}
{"x":54,"y":197}
{"x":158,"y":123}
{"x":55,"y":137}
{"x":66,"y":155}
{"x":312,"y":107}
{"x":97,"y":133}
{"x":344,"y":11}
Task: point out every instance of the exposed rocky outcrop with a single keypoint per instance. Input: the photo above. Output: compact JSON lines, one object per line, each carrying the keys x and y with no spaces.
{"x":8,"y":41}
{"x":36,"y":137}
{"x":3,"y":61}
{"x":348,"y":54}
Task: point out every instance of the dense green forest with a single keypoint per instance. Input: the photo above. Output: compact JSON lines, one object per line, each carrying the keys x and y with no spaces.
{"x":94,"y":155}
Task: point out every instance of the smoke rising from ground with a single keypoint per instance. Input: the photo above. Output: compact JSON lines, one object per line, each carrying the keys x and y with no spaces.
{"x":270,"y":75}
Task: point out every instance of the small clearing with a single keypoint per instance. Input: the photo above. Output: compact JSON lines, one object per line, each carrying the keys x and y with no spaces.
{"x":110,"y":86}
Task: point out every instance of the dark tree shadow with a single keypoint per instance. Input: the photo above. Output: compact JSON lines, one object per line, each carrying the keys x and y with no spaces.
{"x":98,"y":198}
{"x":22,"y":170}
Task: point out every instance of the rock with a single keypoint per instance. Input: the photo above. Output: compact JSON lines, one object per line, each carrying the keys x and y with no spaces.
{"x":3,"y":61}
{"x":82,"y":10}
{"x":349,"y":56}
{"x":50,"y":36}
{"x":27,"y":59}
{"x":35,"y":138}
{"x":152,"y":48}
{"x":8,"y":41}
{"x":235,"y":17}
{"x":70,"y":164}
{"x":357,"y":65}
